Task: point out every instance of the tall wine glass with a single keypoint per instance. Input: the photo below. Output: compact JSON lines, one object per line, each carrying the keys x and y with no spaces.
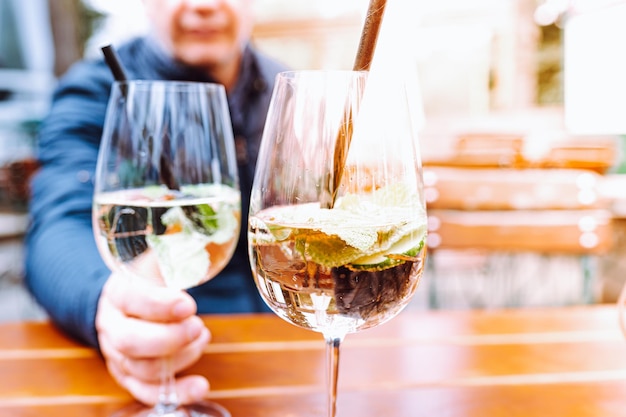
{"x":167,"y":202}
{"x":337,"y":225}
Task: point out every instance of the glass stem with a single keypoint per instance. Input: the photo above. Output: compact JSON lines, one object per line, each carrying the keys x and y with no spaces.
{"x":168,"y":398}
{"x":332,"y":371}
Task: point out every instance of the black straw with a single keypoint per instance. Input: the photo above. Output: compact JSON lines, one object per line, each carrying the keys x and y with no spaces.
{"x":115,"y":64}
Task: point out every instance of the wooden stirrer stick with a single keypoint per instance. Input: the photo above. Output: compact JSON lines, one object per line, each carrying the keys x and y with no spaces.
{"x":365,"y":53}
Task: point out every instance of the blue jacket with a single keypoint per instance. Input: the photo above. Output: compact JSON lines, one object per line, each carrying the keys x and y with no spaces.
{"x":64,"y":270}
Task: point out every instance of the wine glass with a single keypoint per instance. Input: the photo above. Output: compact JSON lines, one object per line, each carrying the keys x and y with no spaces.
{"x":337,"y":224}
{"x":167,"y":207}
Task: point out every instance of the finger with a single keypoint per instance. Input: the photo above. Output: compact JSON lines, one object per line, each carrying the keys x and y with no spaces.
{"x":148,"y":369}
{"x":192,"y":353}
{"x":148,"y":302}
{"x":145,"y":368}
{"x":144,"y":339}
{"x":189,"y":388}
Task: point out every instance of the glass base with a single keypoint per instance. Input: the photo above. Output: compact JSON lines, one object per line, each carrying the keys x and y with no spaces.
{"x":199,"y":409}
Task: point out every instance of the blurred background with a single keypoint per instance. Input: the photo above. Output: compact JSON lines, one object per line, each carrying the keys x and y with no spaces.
{"x":524,"y":117}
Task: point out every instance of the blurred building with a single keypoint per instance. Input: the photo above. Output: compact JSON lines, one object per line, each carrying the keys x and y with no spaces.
{"x":26,"y":81}
{"x":26,"y":59}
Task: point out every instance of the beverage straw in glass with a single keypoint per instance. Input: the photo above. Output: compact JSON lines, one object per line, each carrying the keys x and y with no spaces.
{"x":117,"y":69}
{"x":362,"y":62}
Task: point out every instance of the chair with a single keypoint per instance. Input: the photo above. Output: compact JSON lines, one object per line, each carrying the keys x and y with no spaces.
{"x":507,"y":237}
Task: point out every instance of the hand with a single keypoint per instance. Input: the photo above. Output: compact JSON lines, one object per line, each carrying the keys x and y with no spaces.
{"x":140,"y":325}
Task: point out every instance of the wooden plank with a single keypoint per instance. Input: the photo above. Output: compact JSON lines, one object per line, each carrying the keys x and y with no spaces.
{"x":541,"y":231}
{"x":465,"y":363}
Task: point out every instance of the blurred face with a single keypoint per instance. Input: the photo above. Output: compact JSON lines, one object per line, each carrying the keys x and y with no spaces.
{"x":202,"y":33}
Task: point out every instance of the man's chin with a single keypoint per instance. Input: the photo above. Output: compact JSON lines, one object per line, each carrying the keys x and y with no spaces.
{"x":206,"y":56}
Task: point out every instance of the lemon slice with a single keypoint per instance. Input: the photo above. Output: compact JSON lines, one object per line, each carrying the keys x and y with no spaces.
{"x":408,"y":246}
{"x":181,"y":257}
{"x":327,"y":250}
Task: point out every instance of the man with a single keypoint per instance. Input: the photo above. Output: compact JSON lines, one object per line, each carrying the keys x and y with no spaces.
{"x":197,"y":40}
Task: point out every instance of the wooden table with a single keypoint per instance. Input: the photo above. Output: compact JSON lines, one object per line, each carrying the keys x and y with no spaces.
{"x":532,"y":362}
